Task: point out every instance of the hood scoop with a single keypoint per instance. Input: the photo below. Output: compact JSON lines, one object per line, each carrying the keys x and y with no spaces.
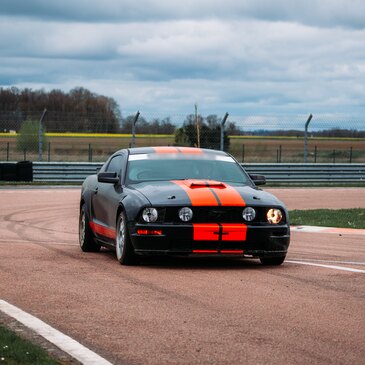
{"x":196,"y":184}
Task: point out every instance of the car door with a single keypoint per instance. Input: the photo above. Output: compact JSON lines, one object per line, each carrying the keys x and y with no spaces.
{"x":106,"y":198}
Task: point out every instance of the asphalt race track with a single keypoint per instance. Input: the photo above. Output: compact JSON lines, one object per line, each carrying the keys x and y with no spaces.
{"x":188,"y":311}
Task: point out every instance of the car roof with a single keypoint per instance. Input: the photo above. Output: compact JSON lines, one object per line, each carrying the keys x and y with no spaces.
{"x":174,"y":150}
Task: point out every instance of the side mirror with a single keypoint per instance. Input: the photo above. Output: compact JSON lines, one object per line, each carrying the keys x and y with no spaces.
{"x":108,"y":177}
{"x":258,"y":179}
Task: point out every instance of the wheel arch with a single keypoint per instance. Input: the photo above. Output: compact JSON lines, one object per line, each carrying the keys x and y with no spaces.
{"x":119,"y":210}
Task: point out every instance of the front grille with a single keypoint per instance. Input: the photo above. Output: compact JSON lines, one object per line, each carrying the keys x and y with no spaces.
{"x":207,"y":215}
{"x":216,"y":214}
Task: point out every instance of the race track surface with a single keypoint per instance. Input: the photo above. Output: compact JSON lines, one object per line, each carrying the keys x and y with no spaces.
{"x":187,"y":311}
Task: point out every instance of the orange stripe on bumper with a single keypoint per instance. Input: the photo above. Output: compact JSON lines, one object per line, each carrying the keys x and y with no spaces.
{"x":205,"y":251}
{"x":234,"y":232}
{"x":239,"y":252}
{"x":205,"y":232}
{"x":102,"y":230}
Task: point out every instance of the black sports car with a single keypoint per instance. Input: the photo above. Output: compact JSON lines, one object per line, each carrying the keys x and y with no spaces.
{"x":180,"y":201}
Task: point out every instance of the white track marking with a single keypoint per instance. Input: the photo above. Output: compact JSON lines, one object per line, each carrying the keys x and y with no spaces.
{"x":332,"y":230}
{"x":65,"y":343}
{"x":333,"y":261}
{"x":326,"y":266}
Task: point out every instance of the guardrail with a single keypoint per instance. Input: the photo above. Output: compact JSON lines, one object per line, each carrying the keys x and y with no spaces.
{"x":311,"y":173}
{"x":278,"y":173}
{"x":64,"y":171}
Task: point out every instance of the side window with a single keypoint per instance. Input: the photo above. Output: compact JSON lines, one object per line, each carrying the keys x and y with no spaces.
{"x":115,"y":164}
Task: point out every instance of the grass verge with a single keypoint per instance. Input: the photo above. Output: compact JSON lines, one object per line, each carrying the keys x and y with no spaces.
{"x":16,"y":351}
{"x":341,"y":218}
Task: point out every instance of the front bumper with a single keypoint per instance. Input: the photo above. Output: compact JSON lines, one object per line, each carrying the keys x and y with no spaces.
{"x":182,"y":239}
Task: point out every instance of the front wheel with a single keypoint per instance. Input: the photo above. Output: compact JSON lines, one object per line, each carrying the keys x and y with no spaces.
{"x":272,"y":261}
{"x":123,"y":246}
{"x":86,"y":239}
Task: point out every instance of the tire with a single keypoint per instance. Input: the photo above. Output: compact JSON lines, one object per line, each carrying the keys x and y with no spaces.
{"x":123,"y":246}
{"x":86,"y":239}
{"x":272,"y":261}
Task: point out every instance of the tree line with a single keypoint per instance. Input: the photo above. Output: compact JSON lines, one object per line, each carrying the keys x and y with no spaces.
{"x":78,"y":110}
{"x":81,"y":110}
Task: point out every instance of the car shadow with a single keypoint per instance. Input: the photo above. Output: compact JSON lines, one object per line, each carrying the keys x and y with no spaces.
{"x":193,"y":262}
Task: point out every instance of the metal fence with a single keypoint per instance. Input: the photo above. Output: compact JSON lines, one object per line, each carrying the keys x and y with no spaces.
{"x":92,"y":137}
{"x":76,"y":172}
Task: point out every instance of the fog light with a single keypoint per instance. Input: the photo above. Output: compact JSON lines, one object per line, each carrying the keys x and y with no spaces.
{"x":248,"y":214}
{"x":274,"y":216}
{"x":150,"y":215}
{"x":186,"y":214}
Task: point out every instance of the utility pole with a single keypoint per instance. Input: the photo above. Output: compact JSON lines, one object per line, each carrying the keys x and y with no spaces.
{"x":222,"y":130}
{"x":134,"y":129}
{"x":197,"y":125}
{"x":306,"y":137}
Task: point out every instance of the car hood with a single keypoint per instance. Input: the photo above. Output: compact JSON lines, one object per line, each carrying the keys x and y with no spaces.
{"x":203,"y":193}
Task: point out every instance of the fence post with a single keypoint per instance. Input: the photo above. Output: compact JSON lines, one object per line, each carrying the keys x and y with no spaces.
{"x":134,"y":129}
{"x":334,"y":156}
{"x":197,"y":126}
{"x":280,"y":150}
{"x":351,"y":154}
{"x":315,"y":154}
{"x":243,"y":152}
{"x":49,"y":151}
{"x":90,"y":153}
{"x":222,"y":131}
{"x":7,"y":151}
{"x":40,"y":142}
{"x":306,"y":137}
{"x":25,"y":154}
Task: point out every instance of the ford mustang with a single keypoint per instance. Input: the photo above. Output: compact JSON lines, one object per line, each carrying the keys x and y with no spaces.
{"x":180,"y":201}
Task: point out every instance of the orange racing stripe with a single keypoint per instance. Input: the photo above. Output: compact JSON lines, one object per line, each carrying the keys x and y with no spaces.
{"x":185,"y":150}
{"x":166,"y":149}
{"x":228,"y":196}
{"x":104,"y":231}
{"x":210,"y":193}
{"x":198,"y":197}
{"x":205,"y":251}
{"x":234,"y":232}
{"x":240,"y":252}
{"x":205,"y":232}
{"x":190,"y":150}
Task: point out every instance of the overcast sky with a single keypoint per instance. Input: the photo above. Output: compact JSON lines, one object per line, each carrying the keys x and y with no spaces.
{"x":245,"y":57}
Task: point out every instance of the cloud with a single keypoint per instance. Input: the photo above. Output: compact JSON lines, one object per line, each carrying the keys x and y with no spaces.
{"x":245,"y":57}
{"x":326,"y":13}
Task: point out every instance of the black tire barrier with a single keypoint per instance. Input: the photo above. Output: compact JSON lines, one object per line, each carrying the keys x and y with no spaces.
{"x":20,"y":171}
{"x":24,"y":171}
{"x":9,"y":172}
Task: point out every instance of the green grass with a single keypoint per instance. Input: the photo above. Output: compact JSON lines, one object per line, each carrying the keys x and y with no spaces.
{"x":342,"y":218}
{"x":16,"y":351}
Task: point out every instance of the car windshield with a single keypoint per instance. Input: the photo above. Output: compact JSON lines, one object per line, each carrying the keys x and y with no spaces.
{"x":157,"y":168}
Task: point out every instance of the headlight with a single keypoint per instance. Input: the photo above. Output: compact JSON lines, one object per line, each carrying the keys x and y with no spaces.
{"x":248,"y":214}
{"x":274,"y":216}
{"x":150,"y":215}
{"x":185,"y":214}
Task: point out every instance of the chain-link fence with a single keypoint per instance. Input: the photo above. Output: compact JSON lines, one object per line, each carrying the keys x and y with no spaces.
{"x":56,"y":136}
